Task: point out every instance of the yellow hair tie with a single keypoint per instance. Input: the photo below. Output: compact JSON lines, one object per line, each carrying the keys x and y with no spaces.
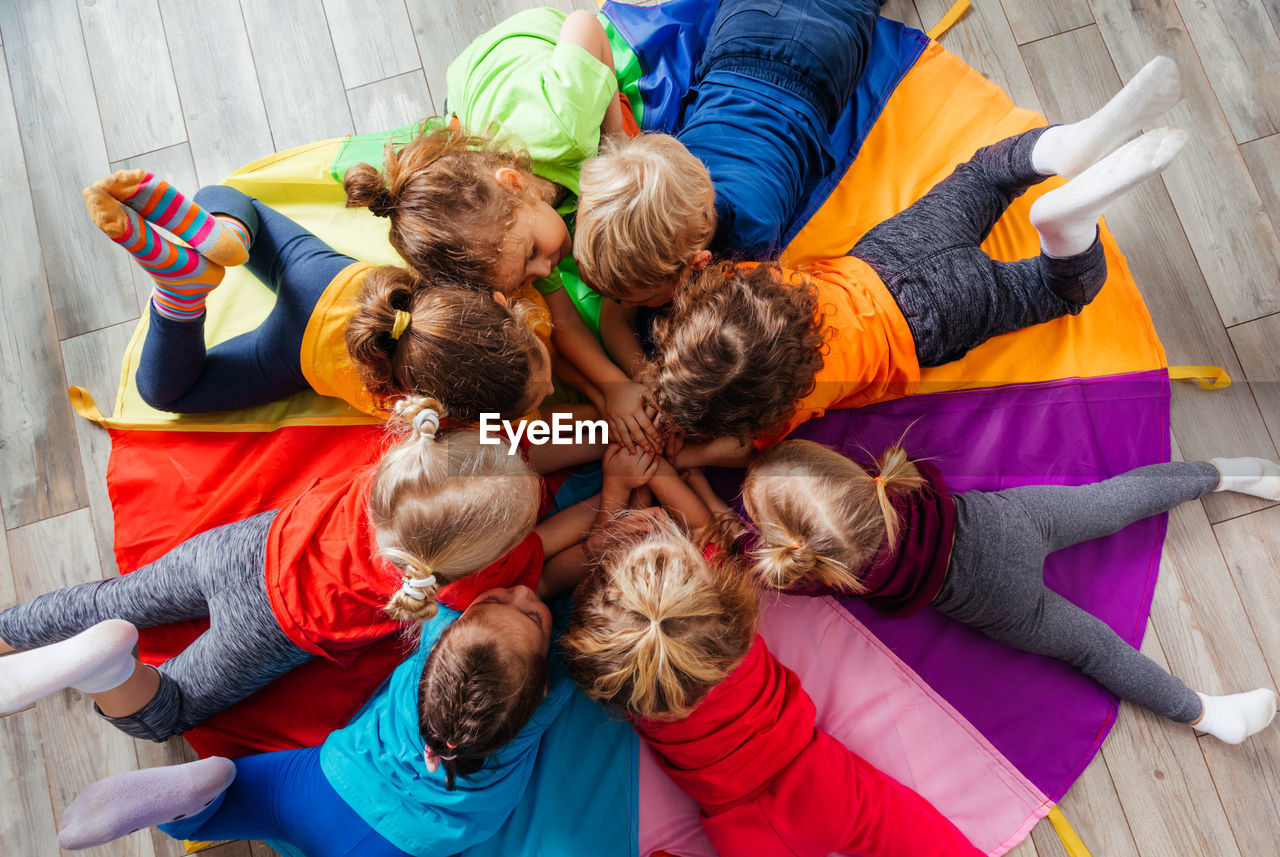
{"x":402,"y":323}
{"x":879,"y":479}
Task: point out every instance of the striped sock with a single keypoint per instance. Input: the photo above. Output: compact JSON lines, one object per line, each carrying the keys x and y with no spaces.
{"x":219,"y":239}
{"x":183,"y":278}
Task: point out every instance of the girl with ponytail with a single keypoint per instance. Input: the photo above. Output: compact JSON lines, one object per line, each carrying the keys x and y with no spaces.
{"x":666,"y":632}
{"x":359,"y":556}
{"x":895,"y":536}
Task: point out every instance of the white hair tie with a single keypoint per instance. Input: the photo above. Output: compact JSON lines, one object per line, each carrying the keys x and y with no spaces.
{"x":412,"y":586}
{"x":427,"y":415}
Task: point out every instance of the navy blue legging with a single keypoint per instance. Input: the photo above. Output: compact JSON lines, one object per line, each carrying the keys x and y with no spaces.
{"x":177,"y":373}
{"x":285,"y":797}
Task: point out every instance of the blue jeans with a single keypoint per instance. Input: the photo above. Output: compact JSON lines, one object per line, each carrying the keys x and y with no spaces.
{"x":774,"y":80}
{"x":285,"y":797}
{"x":177,"y":374}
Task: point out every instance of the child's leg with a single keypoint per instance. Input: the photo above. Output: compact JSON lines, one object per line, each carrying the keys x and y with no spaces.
{"x":218,"y":574}
{"x":996,"y":583}
{"x":1068,"y":150}
{"x":1067,"y":218}
{"x":260,"y":366}
{"x":223,"y":242}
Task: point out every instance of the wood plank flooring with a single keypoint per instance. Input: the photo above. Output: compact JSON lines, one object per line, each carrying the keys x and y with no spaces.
{"x":194,"y":89}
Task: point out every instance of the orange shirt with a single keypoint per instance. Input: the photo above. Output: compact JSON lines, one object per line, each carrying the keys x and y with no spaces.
{"x":871,"y":355}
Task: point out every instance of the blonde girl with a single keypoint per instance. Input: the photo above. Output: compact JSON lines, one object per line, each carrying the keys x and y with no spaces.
{"x":667,"y":632}
{"x":347,"y":563}
{"x":894,"y":535}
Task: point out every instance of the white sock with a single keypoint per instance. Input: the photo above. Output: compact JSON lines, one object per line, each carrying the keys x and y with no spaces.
{"x":97,"y":659}
{"x":1234,"y":718}
{"x":1256,"y":476}
{"x":1068,"y":150}
{"x":1067,"y":217}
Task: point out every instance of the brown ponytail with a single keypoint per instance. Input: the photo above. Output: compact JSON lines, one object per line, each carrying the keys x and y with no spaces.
{"x":474,"y":697}
{"x":454,"y":343}
{"x":821,"y":517}
{"x":449,"y":216}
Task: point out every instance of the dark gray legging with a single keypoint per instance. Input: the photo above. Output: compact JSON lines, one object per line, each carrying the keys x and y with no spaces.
{"x":217,"y":574}
{"x":953,"y":296}
{"x":996,"y":579}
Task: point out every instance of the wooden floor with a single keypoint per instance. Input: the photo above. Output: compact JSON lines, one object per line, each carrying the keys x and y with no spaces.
{"x":192,"y":89}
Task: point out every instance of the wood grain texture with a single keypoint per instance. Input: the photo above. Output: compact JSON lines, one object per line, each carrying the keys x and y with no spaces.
{"x":373,"y":39}
{"x":174,"y":165}
{"x":1235,"y":243}
{"x":60,"y":552}
{"x":92,"y":361}
{"x":1256,"y":344}
{"x":297,"y":71}
{"x":217,"y":80}
{"x":1263,"y":159}
{"x":1038,"y":19}
{"x":1240,"y":51}
{"x":904,"y":11}
{"x":62,"y":145}
{"x":132,"y":77}
{"x":982,"y":38}
{"x":40,"y":473}
{"x":8,"y":594}
{"x":26,"y":824}
{"x":392,"y":102}
{"x":1206,"y":636}
{"x":441,"y":29}
{"x":1074,"y":76}
{"x":1092,"y":808}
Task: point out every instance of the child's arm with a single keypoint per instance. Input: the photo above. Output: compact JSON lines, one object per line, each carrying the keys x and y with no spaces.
{"x":721,"y":452}
{"x":622,"y":403}
{"x":618,"y":332}
{"x":562,"y":535}
{"x":679,"y":497}
{"x":697,"y":480}
{"x":582,"y":29}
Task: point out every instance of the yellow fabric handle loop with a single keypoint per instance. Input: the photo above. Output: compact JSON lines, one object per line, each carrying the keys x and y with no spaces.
{"x":1208,"y":377}
{"x":192,"y":847}
{"x":1070,"y":840}
{"x":949,"y":19}
{"x":84,"y":405}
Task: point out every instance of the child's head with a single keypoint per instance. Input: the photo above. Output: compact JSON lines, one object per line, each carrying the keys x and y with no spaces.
{"x":656,"y":625}
{"x":464,"y":210}
{"x":460,"y":345}
{"x":483,"y":680}
{"x":736,"y":353}
{"x":820,"y":516}
{"x":444,"y":505}
{"x":646,"y":214}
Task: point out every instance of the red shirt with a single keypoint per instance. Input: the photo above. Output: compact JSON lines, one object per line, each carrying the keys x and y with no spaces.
{"x":325,"y":584}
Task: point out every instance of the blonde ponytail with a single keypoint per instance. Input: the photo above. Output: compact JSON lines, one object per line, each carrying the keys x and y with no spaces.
{"x":821,"y":517}
{"x":445,"y":505}
{"x":657,"y":625}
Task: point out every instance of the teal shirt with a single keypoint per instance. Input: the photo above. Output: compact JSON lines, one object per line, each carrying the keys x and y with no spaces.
{"x":550,"y":98}
{"x":375,"y":764}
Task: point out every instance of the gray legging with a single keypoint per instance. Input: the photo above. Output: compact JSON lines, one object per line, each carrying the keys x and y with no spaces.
{"x":996,"y":579}
{"x":217,"y":574}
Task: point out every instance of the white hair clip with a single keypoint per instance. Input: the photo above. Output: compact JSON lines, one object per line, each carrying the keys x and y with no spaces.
{"x":428,"y":415}
{"x":413,"y":586}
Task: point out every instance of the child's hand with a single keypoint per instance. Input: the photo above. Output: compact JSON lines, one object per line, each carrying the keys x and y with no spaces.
{"x":629,"y":421}
{"x":628,"y":469}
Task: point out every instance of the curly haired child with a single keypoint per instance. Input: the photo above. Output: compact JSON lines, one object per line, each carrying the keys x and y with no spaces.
{"x":368,"y":335}
{"x":465,"y":208}
{"x":895,"y":536}
{"x":667,"y":632}
{"x":349,"y":562}
{"x":915,"y":291}
{"x":433,"y":764}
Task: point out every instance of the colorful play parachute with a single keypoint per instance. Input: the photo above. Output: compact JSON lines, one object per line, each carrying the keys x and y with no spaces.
{"x":993,"y":736}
